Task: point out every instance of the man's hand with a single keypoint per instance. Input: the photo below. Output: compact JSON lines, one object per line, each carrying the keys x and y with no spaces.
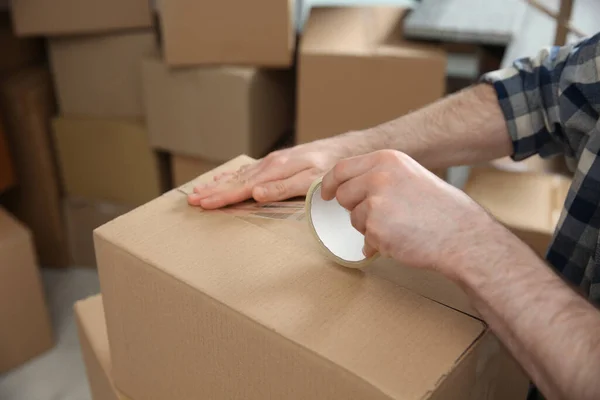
{"x":281,"y":175}
{"x":405,"y":211}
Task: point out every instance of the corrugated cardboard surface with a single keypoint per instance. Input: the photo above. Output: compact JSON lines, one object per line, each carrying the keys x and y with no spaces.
{"x":355,"y":71}
{"x":216,"y":113}
{"x":107,"y":159}
{"x":27,"y":102}
{"x":187,"y":168}
{"x":257,"y":33}
{"x":60,"y":17}
{"x":7,"y":176}
{"x":91,"y":327}
{"x":16,"y":52}
{"x":528,"y":203}
{"x":99,"y":76}
{"x":24,"y":318}
{"x":82,"y":216}
{"x":219,"y":303}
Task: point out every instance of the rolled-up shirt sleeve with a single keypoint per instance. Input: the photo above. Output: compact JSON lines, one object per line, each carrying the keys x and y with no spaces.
{"x":551,"y":99}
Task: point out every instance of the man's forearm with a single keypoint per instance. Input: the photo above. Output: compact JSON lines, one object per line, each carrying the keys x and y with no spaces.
{"x":465,"y":128}
{"x":552,"y":331}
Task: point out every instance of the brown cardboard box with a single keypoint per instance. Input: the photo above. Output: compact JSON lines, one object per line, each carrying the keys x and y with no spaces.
{"x":24,"y":318}
{"x":528,"y":203}
{"x":99,"y":76}
{"x":356,"y":72}
{"x":7,"y":176}
{"x":61,"y":17}
{"x":216,"y":113}
{"x":82,"y":216}
{"x":27,"y":101}
{"x":238,"y":303}
{"x":93,"y":339}
{"x":107,"y":159}
{"x":257,"y":33}
{"x":187,"y":168}
{"x":16,"y":52}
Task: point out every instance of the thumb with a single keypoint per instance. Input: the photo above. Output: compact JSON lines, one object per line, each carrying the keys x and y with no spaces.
{"x":283,"y":189}
{"x":369,"y":251}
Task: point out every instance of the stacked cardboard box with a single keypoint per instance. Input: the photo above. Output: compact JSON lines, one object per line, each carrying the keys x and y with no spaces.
{"x":529,"y":203}
{"x":99,"y":135}
{"x":355,"y":71}
{"x":223,"y":83}
{"x":24,"y":318}
{"x":260,"y":312}
{"x":63,"y":17}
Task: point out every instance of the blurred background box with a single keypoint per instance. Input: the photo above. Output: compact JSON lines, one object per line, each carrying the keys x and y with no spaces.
{"x":99,"y":76}
{"x":356,"y":71}
{"x":7,"y":176}
{"x":59,"y":17}
{"x":184,"y":169}
{"x":216,"y":113}
{"x":27,"y":102}
{"x":257,"y":33}
{"x":82,"y":216}
{"x":93,"y":339}
{"x":107,"y":159}
{"x":528,"y":203}
{"x":24,"y":319}
{"x":17,"y":52}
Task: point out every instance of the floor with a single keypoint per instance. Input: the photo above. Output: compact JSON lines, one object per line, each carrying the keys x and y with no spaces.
{"x":58,"y":374}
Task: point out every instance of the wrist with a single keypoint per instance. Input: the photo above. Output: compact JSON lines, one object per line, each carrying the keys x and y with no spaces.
{"x":478,"y":255}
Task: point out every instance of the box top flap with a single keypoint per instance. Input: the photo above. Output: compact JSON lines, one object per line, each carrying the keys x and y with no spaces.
{"x":521,"y":200}
{"x":352,"y":30}
{"x":291,"y":288}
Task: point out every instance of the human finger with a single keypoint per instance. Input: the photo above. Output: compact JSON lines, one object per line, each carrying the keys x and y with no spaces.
{"x":296,"y":185}
{"x":352,"y":192}
{"x":368,"y":250}
{"x":358,"y":217}
{"x":240,"y":189}
{"x":344,"y":170}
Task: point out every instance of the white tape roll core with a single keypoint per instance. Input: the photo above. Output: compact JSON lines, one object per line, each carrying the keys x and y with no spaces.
{"x":331,"y":225}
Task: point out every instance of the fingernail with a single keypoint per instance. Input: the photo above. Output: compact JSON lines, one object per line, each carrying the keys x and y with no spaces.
{"x":364,"y":251}
{"x":193,"y":198}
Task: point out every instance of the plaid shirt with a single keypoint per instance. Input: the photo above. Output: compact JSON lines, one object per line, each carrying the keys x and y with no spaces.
{"x":551,"y":103}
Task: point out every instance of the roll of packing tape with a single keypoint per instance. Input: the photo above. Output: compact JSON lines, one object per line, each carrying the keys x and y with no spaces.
{"x":331,"y":226}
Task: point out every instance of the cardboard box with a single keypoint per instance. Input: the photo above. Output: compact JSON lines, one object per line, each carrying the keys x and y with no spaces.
{"x":82,"y":216}
{"x":7,"y":176}
{"x":93,"y":339}
{"x":99,"y":76}
{"x":27,"y":101}
{"x":239,"y":303}
{"x":257,"y":33}
{"x":107,"y":159}
{"x":356,"y":72}
{"x":184,"y":169}
{"x":528,"y":203}
{"x":17,"y":52}
{"x":62,"y":17}
{"x":26,"y":331}
{"x":216,"y":113}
